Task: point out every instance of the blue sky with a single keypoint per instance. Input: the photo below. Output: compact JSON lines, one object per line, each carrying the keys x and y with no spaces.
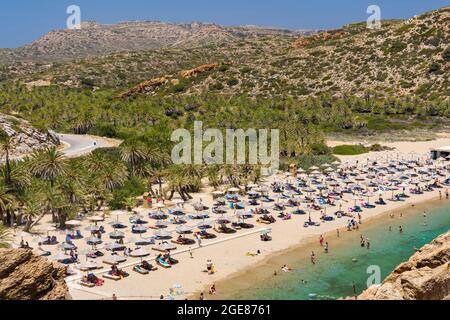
{"x":23,"y":21}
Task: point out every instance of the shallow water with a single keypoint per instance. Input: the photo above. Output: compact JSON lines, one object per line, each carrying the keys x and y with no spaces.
{"x":336,"y":275}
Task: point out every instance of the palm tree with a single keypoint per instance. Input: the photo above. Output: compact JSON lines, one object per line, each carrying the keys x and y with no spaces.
{"x":48,"y":164}
{"x":19,"y":176}
{"x":7,"y":203}
{"x":5,"y":237}
{"x":6,"y":147}
{"x":30,"y":212}
{"x":133,"y":152}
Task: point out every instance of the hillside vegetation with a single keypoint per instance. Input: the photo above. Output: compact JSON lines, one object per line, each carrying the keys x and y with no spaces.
{"x":404,"y":58}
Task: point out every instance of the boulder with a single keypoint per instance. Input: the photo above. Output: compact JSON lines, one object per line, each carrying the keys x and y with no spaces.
{"x":26,"y":276}
{"x":425,"y":276}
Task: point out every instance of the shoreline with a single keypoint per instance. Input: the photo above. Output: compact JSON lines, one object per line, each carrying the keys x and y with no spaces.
{"x":243,"y":279}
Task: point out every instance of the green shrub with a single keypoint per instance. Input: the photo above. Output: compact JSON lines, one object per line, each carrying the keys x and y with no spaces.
{"x":132,"y":188}
{"x":350,"y":150}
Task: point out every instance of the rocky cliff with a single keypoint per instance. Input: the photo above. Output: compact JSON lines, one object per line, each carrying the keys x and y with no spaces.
{"x":25,"y":138}
{"x":25,"y":276}
{"x":426,"y":276}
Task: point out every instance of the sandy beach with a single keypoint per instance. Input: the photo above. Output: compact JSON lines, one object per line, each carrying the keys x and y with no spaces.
{"x":232,"y":255}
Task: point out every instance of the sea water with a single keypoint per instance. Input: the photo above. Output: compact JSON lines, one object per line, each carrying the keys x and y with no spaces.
{"x":345,"y":270}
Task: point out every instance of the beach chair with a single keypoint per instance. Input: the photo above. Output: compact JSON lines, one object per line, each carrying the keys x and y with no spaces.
{"x":140,"y":270}
{"x":112,"y":277}
{"x":86,"y":284}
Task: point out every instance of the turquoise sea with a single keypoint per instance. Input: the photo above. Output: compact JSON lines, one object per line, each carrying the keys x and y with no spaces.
{"x":336,"y":275}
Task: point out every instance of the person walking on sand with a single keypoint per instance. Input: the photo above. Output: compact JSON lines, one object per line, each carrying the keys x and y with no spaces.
{"x":326,"y":247}
{"x":338,"y":233}
{"x":440,"y":195}
{"x":321,"y":240}
{"x":446,"y":194}
{"x":313,"y":257}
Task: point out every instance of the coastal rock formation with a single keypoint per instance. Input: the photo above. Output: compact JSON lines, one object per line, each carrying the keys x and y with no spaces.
{"x":24,"y":137}
{"x":426,"y":276}
{"x":25,"y":276}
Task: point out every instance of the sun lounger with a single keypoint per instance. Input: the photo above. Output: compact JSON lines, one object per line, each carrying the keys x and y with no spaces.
{"x":112,"y":277}
{"x":140,"y":270}
{"x":162,"y":263}
{"x":86,"y":284}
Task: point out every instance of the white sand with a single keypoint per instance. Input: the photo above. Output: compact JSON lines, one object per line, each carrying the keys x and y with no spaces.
{"x":230,"y":256}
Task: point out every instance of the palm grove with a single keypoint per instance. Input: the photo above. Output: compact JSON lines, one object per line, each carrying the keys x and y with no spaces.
{"x":48,"y":183}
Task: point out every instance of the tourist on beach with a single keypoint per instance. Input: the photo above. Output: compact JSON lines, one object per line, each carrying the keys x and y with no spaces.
{"x":321,"y":240}
{"x":368,"y":243}
{"x":326,"y":247}
{"x":212,"y":290}
{"x":338,"y":234}
{"x":400,"y":229}
{"x":202,"y":296}
{"x":440,"y":195}
{"x":313,"y":257}
{"x":446,"y":194}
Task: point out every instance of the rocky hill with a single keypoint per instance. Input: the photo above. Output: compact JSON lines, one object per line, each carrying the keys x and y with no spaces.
{"x":426,"y":276}
{"x":25,"y":138}
{"x":403,"y":58}
{"x":25,"y":276}
{"x":94,"y":39}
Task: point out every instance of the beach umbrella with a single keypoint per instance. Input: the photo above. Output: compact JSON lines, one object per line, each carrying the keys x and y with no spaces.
{"x":336,"y":163}
{"x":73,"y":223}
{"x":114,"y":246}
{"x":96,"y":219}
{"x":93,"y":241}
{"x":221,"y":209}
{"x":117,"y":214}
{"x":198,"y":216}
{"x":204,"y":225}
{"x":67,"y":246}
{"x":217,"y":193}
{"x":244,"y":215}
{"x":89,"y":265}
{"x":252,"y":185}
{"x":314,"y":168}
{"x":93,"y":229}
{"x":233,"y":190}
{"x":165,"y":246}
{"x":162,"y":234}
{"x":116,"y":235}
{"x":140,"y":253}
{"x":184,"y":229}
{"x":159,"y":205}
{"x":161,"y":224}
{"x":178,"y":201}
{"x":61,"y":257}
{"x":223,"y":219}
{"x":140,"y":229}
{"x":115,"y":259}
{"x":141,"y":241}
{"x":176,"y":212}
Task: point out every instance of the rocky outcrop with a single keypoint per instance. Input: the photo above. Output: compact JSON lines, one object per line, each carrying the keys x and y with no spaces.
{"x":426,"y":276}
{"x":25,"y":276}
{"x":150,"y":86}
{"x":24,"y":137}
{"x":203,"y":68}
{"x":146,"y":87}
